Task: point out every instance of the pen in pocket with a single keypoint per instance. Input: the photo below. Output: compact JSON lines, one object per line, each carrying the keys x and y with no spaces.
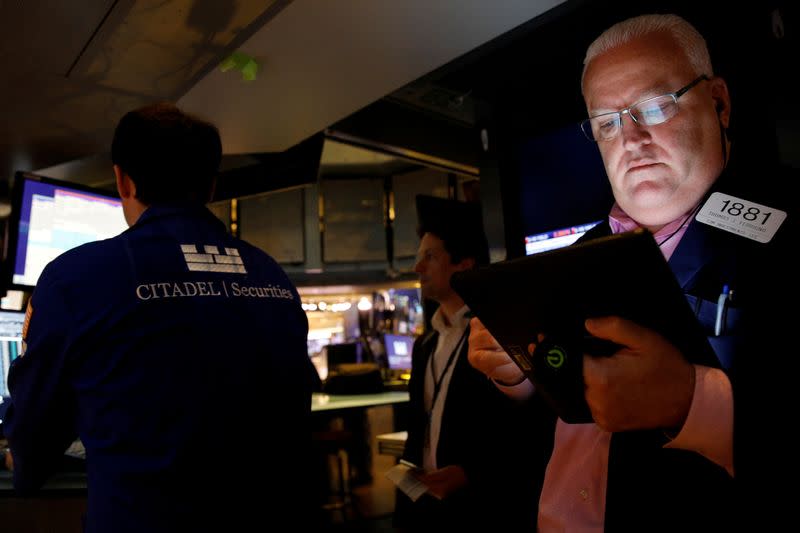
{"x":722,"y":310}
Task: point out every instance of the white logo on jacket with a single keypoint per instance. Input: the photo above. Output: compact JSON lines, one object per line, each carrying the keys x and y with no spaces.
{"x":212,"y":260}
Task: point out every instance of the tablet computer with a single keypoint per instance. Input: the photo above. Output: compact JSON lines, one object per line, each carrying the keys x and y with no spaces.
{"x":556,"y":291}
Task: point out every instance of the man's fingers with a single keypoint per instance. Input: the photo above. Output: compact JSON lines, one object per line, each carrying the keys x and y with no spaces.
{"x":488,"y":358}
{"x":476,"y":324}
{"x":619,"y":330}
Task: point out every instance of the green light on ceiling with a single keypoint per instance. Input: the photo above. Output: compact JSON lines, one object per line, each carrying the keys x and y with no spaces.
{"x":241,"y":62}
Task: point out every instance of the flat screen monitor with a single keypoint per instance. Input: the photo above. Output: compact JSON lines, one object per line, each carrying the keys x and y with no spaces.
{"x":49,"y":217}
{"x":562,"y":183}
{"x":10,"y":345}
{"x":345,"y":353}
{"x":550,"y":240}
{"x":398,"y":351}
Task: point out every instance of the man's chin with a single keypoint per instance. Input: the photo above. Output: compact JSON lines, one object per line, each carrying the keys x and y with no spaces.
{"x":649,"y":191}
{"x":649,"y":195}
{"x":649,"y":209}
{"x":652,"y":217}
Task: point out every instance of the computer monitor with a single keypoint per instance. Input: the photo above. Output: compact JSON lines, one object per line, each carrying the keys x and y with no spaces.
{"x":556,"y":180}
{"x":10,"y":345}
{"x":49,"y":217}
{"x":550,"y":240}
{"x":398,"y":351}
{"x":338,"y":354}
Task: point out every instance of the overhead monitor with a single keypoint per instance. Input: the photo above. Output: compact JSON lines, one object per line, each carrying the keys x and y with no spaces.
{"x":556,"y":179}
{"x":49,"y":217}
{"x":398,"y":351}
{"x":550,"y":240}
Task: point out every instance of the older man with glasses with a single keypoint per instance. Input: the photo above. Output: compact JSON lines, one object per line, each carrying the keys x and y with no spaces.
{"x":670,"y":449}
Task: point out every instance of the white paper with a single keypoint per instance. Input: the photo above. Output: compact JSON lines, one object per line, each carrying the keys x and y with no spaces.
{"x":401,"y":476}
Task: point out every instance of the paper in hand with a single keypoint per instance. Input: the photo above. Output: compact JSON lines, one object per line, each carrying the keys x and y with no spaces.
{"x":402,"y":476}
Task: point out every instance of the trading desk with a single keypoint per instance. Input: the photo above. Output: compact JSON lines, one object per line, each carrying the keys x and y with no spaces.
{"x":70,"y":482}
{"x":342,"y":423}
{"x":62,"y":483}
{"x":333,"y":402}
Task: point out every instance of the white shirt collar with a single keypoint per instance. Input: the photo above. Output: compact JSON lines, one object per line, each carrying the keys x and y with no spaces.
{"x":458,"y":321}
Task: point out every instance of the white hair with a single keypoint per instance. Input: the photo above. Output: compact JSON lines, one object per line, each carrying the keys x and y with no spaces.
{"x":687,"y":37}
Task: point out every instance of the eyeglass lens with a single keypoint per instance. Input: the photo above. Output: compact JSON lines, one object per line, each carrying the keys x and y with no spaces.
{"x":647,"y":113}
{"x":650,"y":112}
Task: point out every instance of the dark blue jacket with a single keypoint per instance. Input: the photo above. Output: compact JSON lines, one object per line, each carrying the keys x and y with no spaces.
{"x":177,"y":354}
{"x":659,"y":489}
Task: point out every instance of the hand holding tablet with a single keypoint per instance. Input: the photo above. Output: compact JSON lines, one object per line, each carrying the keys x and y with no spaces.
{"x":553,"y":293}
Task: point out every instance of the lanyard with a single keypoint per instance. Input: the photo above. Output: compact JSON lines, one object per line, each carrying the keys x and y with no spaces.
{"x":437,"y":384}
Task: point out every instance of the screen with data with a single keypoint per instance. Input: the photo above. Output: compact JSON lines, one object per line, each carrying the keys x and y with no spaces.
{"x":563,"y":188}
{"x":398,"y":351}
{"x":50,"y":217}
{"x":10,"y":346}
{"x":550,"y":240}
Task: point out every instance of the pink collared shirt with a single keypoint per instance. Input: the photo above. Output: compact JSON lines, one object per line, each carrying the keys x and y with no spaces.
{"x":574,"y":492}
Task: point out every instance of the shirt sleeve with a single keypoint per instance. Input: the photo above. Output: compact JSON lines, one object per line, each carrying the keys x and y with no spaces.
{"x":708,"y":429}
{"x":40,"y":421}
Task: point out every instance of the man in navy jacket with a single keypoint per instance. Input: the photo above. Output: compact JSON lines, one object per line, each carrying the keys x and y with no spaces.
{"x":174,"y":351}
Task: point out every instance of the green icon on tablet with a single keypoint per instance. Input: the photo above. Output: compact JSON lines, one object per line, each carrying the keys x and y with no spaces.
{"x":556,"y":357}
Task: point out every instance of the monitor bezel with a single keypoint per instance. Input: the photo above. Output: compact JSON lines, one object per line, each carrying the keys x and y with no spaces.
{"x":13,"y":222}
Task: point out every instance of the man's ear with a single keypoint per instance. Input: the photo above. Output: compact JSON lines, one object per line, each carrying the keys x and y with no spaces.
{"x":125,"y":186}
{"x":213,"y":189}
{"x":722,"y":101}
{"x":466,"y":264}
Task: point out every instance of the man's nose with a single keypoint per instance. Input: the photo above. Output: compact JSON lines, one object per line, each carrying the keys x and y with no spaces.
{"x":633,"y":133}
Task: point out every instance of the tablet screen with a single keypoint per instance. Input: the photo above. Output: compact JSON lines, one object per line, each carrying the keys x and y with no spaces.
{"x":556,"y":291}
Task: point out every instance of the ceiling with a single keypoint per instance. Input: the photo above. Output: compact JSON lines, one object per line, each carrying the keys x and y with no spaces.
{"x":398,"y":73}
{"x":73,"y":68}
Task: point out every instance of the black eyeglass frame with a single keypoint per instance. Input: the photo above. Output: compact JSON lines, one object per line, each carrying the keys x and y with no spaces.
{"x":586,"y":125}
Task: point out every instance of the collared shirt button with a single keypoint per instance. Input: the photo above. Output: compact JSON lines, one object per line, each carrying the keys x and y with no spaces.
{"x":584,"y":494}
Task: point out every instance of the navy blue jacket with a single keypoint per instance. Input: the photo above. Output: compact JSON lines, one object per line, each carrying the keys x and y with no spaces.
{"x":659,"y":489}
{"x":177,"y":354}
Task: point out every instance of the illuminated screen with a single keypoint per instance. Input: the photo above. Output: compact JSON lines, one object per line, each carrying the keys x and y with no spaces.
{"x":10,"y":345}
{"x":51,"y":217}
{"x":398,"y":351}
{"x":562,"y":186}
{"x":550,"y":240}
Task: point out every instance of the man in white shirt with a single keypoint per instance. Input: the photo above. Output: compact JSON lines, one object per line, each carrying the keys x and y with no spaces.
{"x":460,"y":434}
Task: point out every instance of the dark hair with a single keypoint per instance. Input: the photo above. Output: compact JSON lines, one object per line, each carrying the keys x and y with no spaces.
{"x":462,"y":241}
{"x":171,"y":156}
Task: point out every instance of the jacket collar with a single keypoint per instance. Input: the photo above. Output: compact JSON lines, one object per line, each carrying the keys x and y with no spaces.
{"x":160,"y":211}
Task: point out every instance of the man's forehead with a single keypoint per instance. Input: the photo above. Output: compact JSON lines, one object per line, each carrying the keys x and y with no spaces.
{"x":430,"y":247}
{"x":647,"y":66}
{"x":431,"y":243}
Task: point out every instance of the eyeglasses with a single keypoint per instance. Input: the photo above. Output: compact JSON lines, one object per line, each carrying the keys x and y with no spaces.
{"x":649,"y":112}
